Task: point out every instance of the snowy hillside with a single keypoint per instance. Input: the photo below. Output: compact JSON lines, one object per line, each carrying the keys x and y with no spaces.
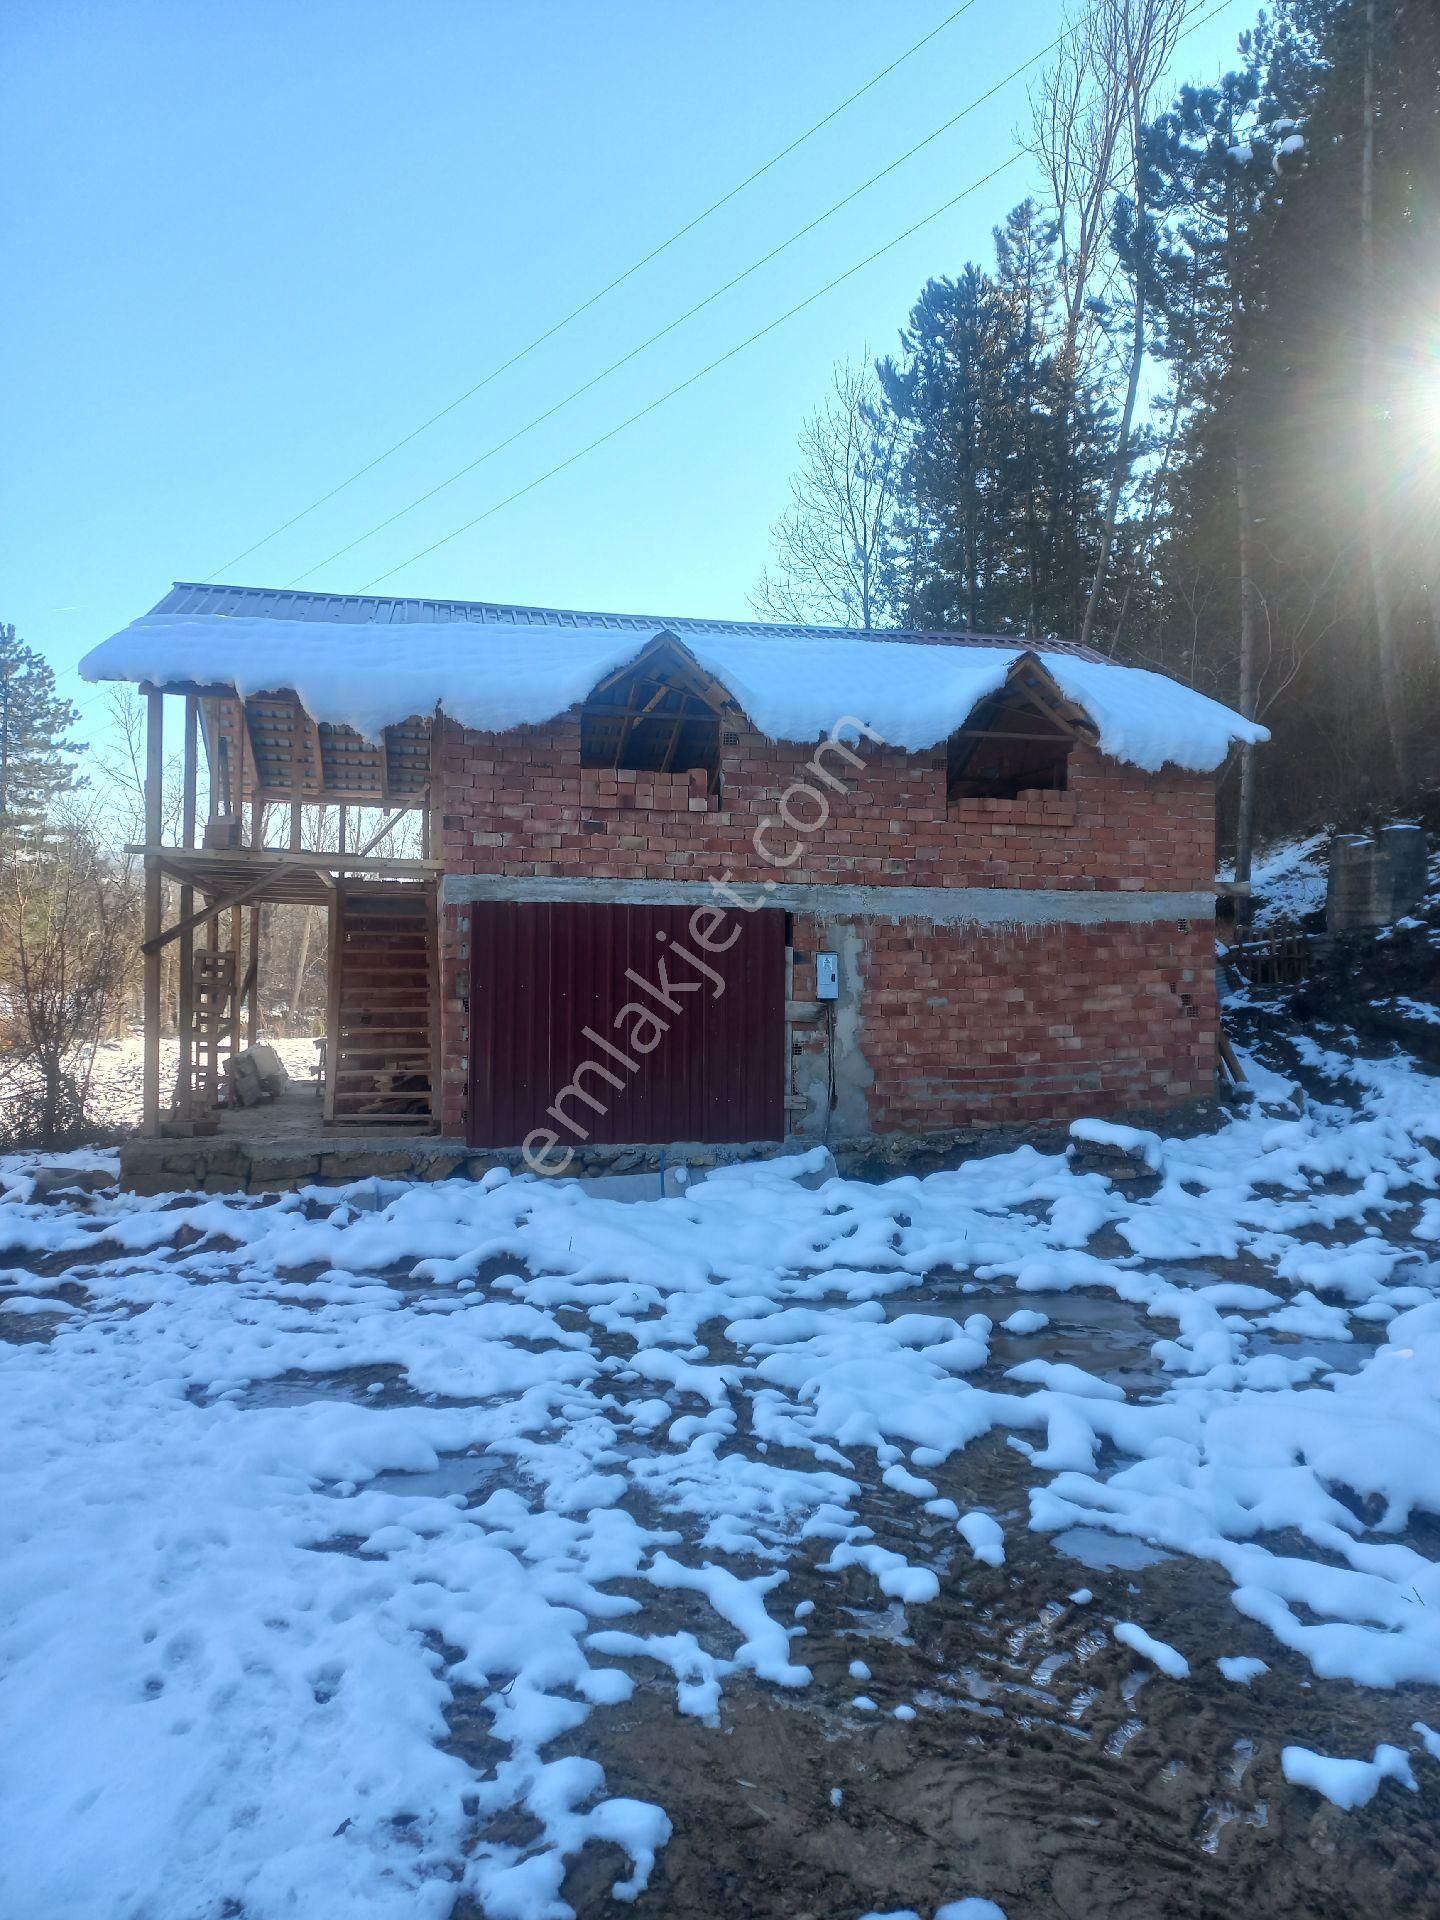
{"x":1289,"y":880}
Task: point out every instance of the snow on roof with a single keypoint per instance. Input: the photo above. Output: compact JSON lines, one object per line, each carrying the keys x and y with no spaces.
{"x":370,"y":663}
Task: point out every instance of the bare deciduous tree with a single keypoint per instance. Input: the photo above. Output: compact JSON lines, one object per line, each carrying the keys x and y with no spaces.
{"x":1076,"y":117}
{"x":829,"y":545}
{"x":69,"y":919}
{"x":1130,"y":43}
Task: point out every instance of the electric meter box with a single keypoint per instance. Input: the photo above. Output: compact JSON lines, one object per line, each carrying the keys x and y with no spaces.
{"x":827,"y":976}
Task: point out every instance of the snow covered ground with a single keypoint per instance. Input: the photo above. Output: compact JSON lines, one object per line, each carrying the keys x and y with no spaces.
{"x":115,"y":1079}
{"x":1290,"y":879}
{"x":489,"y":1548}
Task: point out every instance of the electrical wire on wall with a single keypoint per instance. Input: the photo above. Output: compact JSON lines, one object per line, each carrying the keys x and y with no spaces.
{"x":831,"y":1095}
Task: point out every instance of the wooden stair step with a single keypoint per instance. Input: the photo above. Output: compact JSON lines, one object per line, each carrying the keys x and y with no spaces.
{"x":373,"y":1034}
{"x":376,"y":1073}
{"x":385,"y":1020}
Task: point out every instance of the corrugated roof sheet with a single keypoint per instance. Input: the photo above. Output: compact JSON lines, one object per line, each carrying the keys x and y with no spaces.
{"x":358,"y":609}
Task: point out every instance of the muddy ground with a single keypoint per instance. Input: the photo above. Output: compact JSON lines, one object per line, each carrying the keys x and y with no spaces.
{"x":1046,"y":1767}
{"x":1038,"y":1763}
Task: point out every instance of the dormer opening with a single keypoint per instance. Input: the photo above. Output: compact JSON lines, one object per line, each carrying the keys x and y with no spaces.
{"x":661,"y":714}
{"x":1017,"y":741}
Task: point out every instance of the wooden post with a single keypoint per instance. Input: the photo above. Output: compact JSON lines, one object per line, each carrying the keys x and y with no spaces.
{"x":252,"y":966}
{"x":235,"y":942}
{"x":432,"y":986}
{"x":186,"y":1081}
{"x":252,"y":975}
{"x":296,"y":829}
{"x":154,"y":777}
{"x":429,"y":824}
{"x":332,"y":996}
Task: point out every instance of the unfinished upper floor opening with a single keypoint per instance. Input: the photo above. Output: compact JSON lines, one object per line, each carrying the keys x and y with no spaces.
{"x":1017,"y":741}
{"x":660,"y":714}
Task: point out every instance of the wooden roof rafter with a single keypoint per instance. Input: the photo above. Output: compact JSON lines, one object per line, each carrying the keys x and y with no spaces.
{"x":663,"y":687}
{"x":668,"y":658}
{"x":288,"y":756}
{"x":1029,"y":688}
{"x":1032,"y":675}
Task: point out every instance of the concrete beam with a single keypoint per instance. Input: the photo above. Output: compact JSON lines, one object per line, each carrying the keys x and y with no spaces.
{"x":941,"y":906}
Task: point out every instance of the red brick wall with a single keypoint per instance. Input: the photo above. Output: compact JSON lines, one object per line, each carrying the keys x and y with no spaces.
{"x":965,"y":1027}
{"x":520,"y":804}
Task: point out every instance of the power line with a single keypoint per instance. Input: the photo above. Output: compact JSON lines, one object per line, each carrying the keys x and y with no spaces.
{"x":689,"y":314}
{"x":690,"y":381}
{"x":731,"y":352}
{"x":595,"y":298}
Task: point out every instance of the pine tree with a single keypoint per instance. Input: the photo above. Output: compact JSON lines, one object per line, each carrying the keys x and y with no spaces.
{"x":36,"y":757}
{"x":1210,"y":161}
{"x":1025,"y":294}
{"x":1264,"y":295}
{"x":946,"y":393}
{"x":996,"y":528}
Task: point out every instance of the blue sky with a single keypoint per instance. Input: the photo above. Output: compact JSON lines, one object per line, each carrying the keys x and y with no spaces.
{"x":249,"y":246}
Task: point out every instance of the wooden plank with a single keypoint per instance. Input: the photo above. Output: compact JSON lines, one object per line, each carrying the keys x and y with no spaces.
{"x":193,"y":689}
{"x":392,"y":867}
{"x":1230,"y":1060}
{"x":249,"y":999}
{"x":668,"y":762}
{"x":227,"y":795}
{"x":280,"y":793}
{"x":399,"y":1063}
{"x":332,"y":997}
{"x":202,"y":915}
{"x":154,"y":779}
{"x":235,"y":999}
{"x":407,"y":984}
{"x":250,"y":993}
{"x":633,"y":719}
{"x":402,"y":999}
{"x":383,"y":1041}
{"x":386,"y":828}
{"x":186,"y":1078}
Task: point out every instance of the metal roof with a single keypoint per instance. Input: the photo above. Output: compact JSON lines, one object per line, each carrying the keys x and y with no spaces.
{"x":359,"y":609}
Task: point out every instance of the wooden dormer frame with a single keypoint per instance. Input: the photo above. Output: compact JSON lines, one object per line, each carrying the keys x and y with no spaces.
{"x":1030,"y":685}
{"x":667,"y":660}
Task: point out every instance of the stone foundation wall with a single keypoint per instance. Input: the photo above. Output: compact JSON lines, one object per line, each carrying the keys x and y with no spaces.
{"x":172,"y":1166}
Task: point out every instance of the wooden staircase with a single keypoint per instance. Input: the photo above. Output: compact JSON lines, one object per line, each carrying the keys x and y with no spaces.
{"x":213,"y":1025}
{"x":382,"y":1059}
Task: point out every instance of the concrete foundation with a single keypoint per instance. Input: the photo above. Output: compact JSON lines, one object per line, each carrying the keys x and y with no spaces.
{"x":254,"y":1166}
{"x":1373,"y":882}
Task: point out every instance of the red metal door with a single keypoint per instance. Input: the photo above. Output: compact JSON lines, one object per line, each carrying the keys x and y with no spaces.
{"x":564,"y":998}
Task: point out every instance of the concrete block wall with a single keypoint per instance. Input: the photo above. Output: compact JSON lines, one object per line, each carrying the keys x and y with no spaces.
{"x":1373,"y":882}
